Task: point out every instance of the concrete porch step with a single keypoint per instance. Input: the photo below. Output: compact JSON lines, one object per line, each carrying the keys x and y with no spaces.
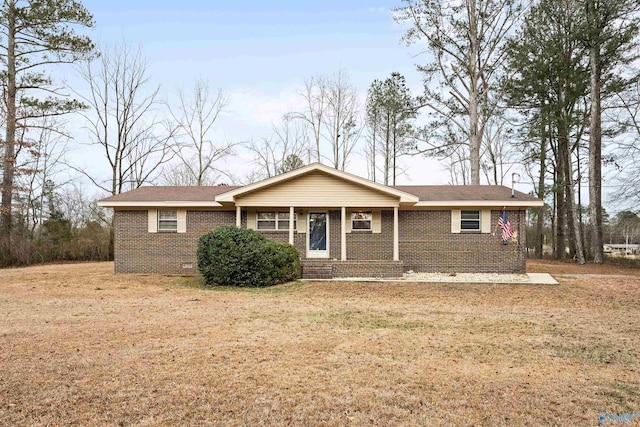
{"x":317,"y":270}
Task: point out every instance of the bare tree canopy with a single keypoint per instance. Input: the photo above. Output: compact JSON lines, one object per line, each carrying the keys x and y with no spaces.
{"x":122,"y":120}
{"x":332,"y":113}
{"x":462,"y":84}
{"x":282,"y":151}
{"x":198,"y":152}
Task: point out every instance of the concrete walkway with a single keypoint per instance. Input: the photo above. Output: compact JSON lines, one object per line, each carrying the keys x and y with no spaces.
{"x":519,"y":279}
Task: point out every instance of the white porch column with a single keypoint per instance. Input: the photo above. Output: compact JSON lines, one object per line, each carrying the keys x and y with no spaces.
{"x":396,"y":246}
{"x":291,"y":214}
{"x":238,"y":216}
{"x":343,"y":234}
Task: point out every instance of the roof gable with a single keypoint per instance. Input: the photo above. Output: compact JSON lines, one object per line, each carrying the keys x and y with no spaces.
{"x":301,"y":181}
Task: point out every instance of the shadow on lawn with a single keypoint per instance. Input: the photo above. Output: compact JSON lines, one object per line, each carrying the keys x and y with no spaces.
{"x":197,"y":282}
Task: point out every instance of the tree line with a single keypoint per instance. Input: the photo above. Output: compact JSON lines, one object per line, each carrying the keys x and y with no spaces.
{"x":549,"y":85}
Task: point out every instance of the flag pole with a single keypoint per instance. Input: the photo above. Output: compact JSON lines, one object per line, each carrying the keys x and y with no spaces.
{"x":496,"y":227}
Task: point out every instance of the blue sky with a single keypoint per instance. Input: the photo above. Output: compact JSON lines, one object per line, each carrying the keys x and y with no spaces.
{"x":235,"y":43}
{"x":260,"y":53}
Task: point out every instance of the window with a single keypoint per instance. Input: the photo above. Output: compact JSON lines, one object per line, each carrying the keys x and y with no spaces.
{"x":168,"y":221}
{"x":361,"y":221}
{"x":274,"y":221}
{"x":470,"y":220}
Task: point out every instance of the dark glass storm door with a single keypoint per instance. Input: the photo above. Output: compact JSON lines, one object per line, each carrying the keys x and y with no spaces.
{"x":318,"y":235}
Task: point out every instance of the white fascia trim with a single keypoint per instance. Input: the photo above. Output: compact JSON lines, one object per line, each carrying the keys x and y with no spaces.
{"x":325,"y":205}
{"x":168,"y":204}
{"x":482,"y":203}
{"x":230,"y":195}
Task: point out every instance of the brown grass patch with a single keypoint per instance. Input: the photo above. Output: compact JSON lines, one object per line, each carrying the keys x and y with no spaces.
{"x":81,"y":346}
{"x":572,"y":267}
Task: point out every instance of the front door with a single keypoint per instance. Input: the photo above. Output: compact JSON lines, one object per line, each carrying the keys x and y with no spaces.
{"x":318,"y":235}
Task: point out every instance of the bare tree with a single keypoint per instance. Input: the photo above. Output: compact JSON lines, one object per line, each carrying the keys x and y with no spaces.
{"x":459,"y":166}
{"x":41,"y":169}
{"x":498,"y":153}
{"x":331,"y":113}
{"x":81,"y":209}
{"x":466,"y":39}
{"x":122,"y":120}
{"x":278,"y":153}
{"x":315,"y":97}
{"x":340,"y":118}
{"x":627,"y":115}
{"x":196,"y":118}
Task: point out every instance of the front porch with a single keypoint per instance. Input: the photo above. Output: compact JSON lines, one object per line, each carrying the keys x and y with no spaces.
{"x":329,"y":233}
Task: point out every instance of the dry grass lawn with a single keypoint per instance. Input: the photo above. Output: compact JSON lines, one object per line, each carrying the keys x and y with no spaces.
{"x":80,"y":346}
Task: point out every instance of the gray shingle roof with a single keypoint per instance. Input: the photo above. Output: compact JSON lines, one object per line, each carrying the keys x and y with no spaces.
{"x":171,"y":194}
{"x":430,"y":193}
{"x":444,"y":193}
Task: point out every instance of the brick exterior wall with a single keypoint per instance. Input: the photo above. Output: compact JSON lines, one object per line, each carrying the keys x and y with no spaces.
{"x":299,"y":239}
{"x":425,"y":240}
{"x":365,"y":268}
{"x":365,"y":245}
{"x":427,"y":245}
{"x":138,"y":251}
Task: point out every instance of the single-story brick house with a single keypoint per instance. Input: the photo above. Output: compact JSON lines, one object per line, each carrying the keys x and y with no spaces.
{"x":343,"y":225}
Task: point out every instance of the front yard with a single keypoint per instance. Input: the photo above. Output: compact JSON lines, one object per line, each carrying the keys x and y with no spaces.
{"x":80,"y":346}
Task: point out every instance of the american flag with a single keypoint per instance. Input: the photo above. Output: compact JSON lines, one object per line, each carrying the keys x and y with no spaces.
{"x":505,"y":225}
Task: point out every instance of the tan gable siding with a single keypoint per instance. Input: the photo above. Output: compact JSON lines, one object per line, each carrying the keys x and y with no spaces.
{"x":317,"y":190}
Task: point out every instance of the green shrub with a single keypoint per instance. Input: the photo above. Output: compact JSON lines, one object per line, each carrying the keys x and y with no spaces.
{"x":232,"y":256}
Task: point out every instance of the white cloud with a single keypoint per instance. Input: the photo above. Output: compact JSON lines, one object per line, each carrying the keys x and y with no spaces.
{"x":255,"y":107}
{"x":379,"y":10}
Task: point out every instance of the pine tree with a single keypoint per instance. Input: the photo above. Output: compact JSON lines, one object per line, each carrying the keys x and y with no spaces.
{"x":391,"y":111}
{"x":35,"y":35}
{"x":611,"y":30}
{"x":550,"y":80}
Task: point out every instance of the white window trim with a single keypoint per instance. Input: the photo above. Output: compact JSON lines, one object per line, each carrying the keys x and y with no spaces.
{"x":277,"y":221}
{"x":152,"y":221}
{"x":354,"y":219}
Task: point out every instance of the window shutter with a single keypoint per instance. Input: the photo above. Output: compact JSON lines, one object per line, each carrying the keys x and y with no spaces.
{"x":485,"y":221}
{"x":182,"y":221}
{"x":348,"y":219}
{"x":153,"y":221}
{"x":251,"y":219}
{"x":455,"y":221}
{"x":302,"y":222}
{"x":376,"y":220}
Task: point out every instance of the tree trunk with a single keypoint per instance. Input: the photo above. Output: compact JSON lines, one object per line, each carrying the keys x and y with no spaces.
{"x":395,"y":153}
{"x":572,"y":220}
{"x":10,"y":138}
{"x":475,"y":138}
{"x":595,"y":157}
{"x":387,"y":150}
{"x":579,"y":194}
{"x":554,"y":216}
{"x":540,"y":221}
{"x":561,"y":245}
{"x":373,"y":149}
